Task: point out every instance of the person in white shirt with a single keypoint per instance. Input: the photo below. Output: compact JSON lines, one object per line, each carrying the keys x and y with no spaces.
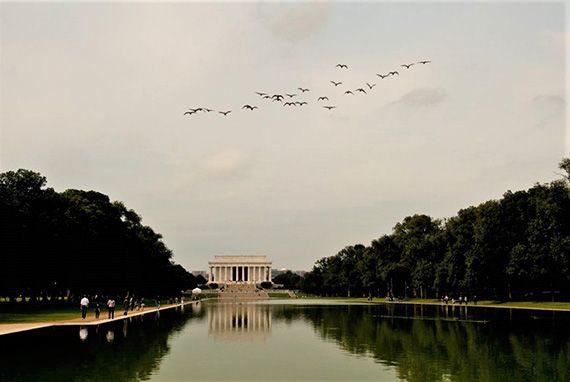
{"x":111,"y":306}
{"x":84,"y":306}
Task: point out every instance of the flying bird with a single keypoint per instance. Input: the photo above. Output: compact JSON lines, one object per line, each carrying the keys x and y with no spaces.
{"x":336,"y":83}
{"x":303,"y":90}
{"x":190,"y":112}
{"x":301,"y":103}
{"x":260,"y":94}
{"x":361,"y":90}
{"x":249,"y":107}
{"x":370,"y":86}
{"x":348,"y":92}
{"x":277,"y":97}
{"x":424,"y":62}
{"x":289,"y":104}
{"x":225,"y":112}
{"x":329,"y":107}
{"x":341,"y":66}
{"x":207,"y":110}
{"x":407,"y":66}
{"x":382,"y":75}
{"x":290,"y":95}
{"x":392,"y":73}
{"x":322,"y":98}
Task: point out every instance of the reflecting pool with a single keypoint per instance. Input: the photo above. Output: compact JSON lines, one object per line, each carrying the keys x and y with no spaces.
{"x":292,"y":340}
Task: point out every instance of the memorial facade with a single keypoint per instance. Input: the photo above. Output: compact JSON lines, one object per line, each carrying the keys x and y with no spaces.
{"x":250,"y":269}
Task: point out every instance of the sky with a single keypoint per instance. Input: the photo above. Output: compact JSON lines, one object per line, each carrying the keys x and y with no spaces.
{"x":93,"y":96}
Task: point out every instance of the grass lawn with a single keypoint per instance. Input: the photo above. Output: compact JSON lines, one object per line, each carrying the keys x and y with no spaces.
{"x":24,"y":313}
{"x":10,"y":314}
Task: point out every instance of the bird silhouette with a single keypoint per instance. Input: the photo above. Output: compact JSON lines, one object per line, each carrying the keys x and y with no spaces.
{"x":266,"y":97}
{"x":336,"y":83}
{"x":329,"y":107}
{"x":407,"y":66}
{"x":190,"y":112}
{"x":260,"y":94}
{"x":290,"y":95}
{"x":341,"y":66}
{"x":361,"y":90}
{"x":303,"y":90}
{"x":225,"y":112}
{"x":370,"y":86}
{"x":207,"y":110}
{"x":249,"y":107}
{"x":322,"y":98}
{"x":277,"y":97}
{"x":301,"y":103}
{"x":348,"y":92}
{"x":424,"y":62}
{"x":393,"y":73}
{"x":382,"y":75}
{"x":289,"y":104}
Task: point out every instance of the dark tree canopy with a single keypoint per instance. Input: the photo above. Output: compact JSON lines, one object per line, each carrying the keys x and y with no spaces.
{"x":77,"y":242}
{"x":514,"y":248}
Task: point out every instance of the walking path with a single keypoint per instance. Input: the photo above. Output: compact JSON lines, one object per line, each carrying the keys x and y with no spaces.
{"x":90,"y":320}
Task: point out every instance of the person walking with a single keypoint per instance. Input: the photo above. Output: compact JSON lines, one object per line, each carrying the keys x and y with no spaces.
{"x":157,"y":302}
{"x":111,"y":307}
{"x":97,"y":311}
{"x":126,"y":306}
{"x":84,"y":306}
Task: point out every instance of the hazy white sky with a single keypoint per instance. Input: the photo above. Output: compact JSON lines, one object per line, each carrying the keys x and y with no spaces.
{"x":93,"y":95}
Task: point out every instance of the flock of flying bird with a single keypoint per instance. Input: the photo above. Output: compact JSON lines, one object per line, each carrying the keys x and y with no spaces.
{"x":290,"y":96}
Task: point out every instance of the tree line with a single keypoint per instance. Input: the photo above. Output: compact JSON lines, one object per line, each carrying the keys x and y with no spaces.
{"x":76,"y":242}
{"x":517,"y":247}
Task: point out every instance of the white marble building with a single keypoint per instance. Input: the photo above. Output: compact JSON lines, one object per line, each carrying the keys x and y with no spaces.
{"x":250,"y":269}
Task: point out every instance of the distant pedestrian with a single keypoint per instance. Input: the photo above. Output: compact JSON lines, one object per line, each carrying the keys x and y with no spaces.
{"x":111,"y":307}
{"x":84,"y":306}
{"x":142,"y":304}
{"x":474,"y":300}
{"x":97,"y":311}
{"x":126,"y":306}
{"x":157,"y":302}
{"x":446,"y":300}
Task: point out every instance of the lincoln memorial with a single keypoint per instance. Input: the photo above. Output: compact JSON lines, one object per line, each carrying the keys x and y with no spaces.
{"x":250,"y":269}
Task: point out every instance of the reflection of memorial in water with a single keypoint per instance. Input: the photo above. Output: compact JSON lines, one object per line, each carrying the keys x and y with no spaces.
{"x":239,"y":322}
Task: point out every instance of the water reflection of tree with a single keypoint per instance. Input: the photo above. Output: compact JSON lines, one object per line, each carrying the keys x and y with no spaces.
{"x":57,"y":354}
{"x":452,"y":347}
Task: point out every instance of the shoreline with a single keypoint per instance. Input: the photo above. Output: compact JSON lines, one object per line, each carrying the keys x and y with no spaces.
{"x":471,"y":306}
{"x":89,"y":321}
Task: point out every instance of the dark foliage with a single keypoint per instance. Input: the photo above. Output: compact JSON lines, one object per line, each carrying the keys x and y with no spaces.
{"x":78,"y":242}
{"x":514,"y":248}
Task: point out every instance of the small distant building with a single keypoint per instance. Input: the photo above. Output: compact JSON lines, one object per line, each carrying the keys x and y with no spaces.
{"x":204,"y":274}
{"x":249,"y":269}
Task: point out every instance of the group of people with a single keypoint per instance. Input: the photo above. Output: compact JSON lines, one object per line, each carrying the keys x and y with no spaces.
{"x":130,"y":302}
{"x":460,"y":300}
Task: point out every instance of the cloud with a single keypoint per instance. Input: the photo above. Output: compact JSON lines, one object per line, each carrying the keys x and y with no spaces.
{"x":227,"y":163}
{"x":301,"y":21}
{"x":547,"y":108}
{"x":423,"y":97}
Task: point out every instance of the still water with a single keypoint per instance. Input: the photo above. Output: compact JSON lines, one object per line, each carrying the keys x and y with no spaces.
{"x":300,"y":341}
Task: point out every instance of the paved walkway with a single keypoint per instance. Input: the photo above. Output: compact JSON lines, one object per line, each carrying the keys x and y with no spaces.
{"x":90,"y":320}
